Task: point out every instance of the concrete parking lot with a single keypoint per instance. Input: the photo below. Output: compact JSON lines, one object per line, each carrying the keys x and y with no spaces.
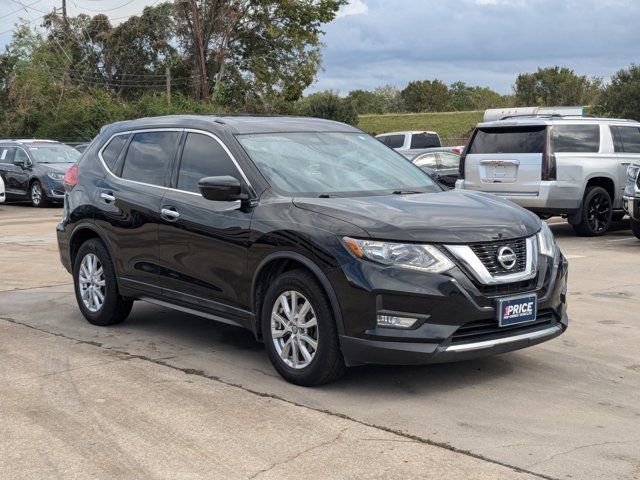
{"x":170,"y":395}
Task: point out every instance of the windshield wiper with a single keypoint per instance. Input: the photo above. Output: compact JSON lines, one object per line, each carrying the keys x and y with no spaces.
{"x":328,"y":195}
{"x":405,"y":192}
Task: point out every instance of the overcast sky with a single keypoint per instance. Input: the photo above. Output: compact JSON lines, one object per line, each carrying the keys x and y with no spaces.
{"x":481,"y":42}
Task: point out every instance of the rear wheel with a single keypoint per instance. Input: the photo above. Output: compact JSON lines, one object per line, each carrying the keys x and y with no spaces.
{"x":300,"y":332}
{"x":596,"y":214}
{"x":38,"y":195}
{"x":96,"y":286}
{"x":635,"y":228}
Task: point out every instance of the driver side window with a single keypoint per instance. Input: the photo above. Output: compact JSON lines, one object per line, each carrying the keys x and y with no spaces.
{"x":203,"y":156}
{"x":21,"y":157}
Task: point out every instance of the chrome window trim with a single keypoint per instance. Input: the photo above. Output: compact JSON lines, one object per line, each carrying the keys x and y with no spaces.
{"x":472,"y":263}
{"x":169,"y":129}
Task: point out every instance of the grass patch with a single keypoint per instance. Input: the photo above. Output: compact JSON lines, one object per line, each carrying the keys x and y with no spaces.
{"x":453,"y":127}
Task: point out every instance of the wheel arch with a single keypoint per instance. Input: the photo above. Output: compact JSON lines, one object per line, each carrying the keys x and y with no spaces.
{"x":604,"y":181}
{"x":279,"y":262}
{"x":83,"y":232}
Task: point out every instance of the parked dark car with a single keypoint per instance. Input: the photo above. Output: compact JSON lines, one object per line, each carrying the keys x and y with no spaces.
{"x":34,"y":170}
{"x":329,"y":246}
{"x":443,"y":166}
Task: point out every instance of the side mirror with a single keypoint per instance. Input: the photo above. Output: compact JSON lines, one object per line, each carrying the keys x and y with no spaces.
{"x":221,"y":189}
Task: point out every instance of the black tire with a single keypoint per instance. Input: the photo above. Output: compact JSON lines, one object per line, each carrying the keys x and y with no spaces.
{"x":597,"y":210}
{"x":635,"y":228}
{"x":114,"y":309}
{"x":38,"y":195}
{"x":327,"y":364}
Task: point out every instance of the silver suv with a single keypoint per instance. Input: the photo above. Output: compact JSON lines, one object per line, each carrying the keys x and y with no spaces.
{"x":555,"y":165}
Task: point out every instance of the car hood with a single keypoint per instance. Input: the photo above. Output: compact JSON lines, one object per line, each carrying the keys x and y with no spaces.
{"x":456,"y":216}
{"x":55,"y":167}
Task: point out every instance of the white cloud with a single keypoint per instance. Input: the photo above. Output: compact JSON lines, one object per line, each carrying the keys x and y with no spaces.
{"x":354,"y":7}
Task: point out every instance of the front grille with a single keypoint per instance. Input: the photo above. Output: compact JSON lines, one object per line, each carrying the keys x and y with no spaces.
{"x":481,"y":330}
{"x":488,"y":255}
{"x":502,"y":289}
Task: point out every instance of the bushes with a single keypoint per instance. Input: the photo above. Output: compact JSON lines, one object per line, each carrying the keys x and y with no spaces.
{"x":328,"y":105}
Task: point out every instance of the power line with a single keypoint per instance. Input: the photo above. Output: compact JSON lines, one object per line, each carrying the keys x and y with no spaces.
{"x":103,"y":9}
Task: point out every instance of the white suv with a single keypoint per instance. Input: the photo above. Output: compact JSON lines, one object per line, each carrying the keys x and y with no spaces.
{"x":553,"y":165}
{"x":418,"y":140}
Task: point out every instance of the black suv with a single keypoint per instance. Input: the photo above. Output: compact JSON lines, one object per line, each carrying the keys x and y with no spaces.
{"x":34,"y":169}
{"x":330,"y":247}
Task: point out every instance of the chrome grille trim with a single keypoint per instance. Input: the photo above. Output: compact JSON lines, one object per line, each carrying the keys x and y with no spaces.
{"x":472,"y":263}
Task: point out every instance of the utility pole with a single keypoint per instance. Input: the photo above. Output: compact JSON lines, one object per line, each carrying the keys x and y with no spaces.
{"x":65,"y":41}
{"x":168,"y":71}
{"x":197,"y":33}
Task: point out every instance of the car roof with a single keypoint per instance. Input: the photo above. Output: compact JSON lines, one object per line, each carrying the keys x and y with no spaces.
{"x":235,"y":124}
{"x":412,"y":132}
{"x":28,"y":141}
{"x":555,"y":120}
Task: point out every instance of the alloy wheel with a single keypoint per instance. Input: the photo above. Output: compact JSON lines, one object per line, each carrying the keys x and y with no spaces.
{"x":91,"y":283}
{"x":599,"y":212}
{"x":294,"y":329}
{"x":36,"y":194}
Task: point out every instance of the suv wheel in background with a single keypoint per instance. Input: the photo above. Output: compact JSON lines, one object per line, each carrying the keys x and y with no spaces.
{"x":299,"y":330}
{"x":635,"y":228}
{"x":596,"y":214}
{"x":96,"y":286}
{"x":37,"y":195}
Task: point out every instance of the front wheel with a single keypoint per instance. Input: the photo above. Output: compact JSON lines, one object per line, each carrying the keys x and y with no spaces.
{"x":96,"y":286}
{"x":635,"y":228}
{"x":38,"y":196}
{"x":597,"y":210}
{"x":300,"y":332}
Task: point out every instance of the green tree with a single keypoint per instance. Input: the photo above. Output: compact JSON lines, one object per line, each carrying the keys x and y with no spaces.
{"x":328,"y":105}
{"x":621,"y":97}
{"x":555,"y":86}
{"x":426,"y":96}
{"x":363,"y":101}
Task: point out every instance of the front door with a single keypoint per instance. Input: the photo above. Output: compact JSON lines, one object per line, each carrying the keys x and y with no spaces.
{"x":626,"y":141}
{"x":203,"y":244}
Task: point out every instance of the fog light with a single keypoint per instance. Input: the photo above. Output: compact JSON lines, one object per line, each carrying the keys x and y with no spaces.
{"x":392,"y":321}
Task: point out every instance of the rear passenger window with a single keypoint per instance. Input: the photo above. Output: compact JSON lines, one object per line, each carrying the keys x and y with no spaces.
{"x":576,"y":138}
{"x":203,"y":156}
{"x":394,"y":141}
{"x":148,"y":157}
{"x":630,"y":139}
{"x":617,"y":141}
{"x":425,"y":140}
{"x":7,"y":154}
{"x":112,"y":151}
{"x":509,"y":140}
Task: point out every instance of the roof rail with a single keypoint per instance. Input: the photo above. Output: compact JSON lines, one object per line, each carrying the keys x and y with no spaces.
{"x":539,"y":115}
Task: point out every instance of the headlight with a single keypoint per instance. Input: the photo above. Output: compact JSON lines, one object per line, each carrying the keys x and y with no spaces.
{"x":632,"y":172}
{"x":55,"y":176}
{"x":546,"y":241}
{"x":425,"y":258}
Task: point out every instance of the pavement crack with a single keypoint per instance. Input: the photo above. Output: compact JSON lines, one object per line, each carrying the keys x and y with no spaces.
{"x":580,"y":447}
{"x":399,"y":433}
{"x":299,"y":454}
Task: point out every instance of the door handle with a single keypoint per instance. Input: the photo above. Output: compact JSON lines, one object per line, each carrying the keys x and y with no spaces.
{"x":107,"y":197}
{"x":170,"y":214}
{"x":625,"y":163}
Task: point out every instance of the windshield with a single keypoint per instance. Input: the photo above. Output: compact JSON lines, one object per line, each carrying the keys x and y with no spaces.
{"x":339,"y":164}
{"x":54,"y":153}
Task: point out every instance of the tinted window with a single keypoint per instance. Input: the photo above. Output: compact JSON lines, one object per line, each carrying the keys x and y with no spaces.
{"x":111,"y":153}
{"x":427,"y":160}
{"x":425,"y":140}
{"x":394,"y":141}
{"x":576,"y":138}
{"x":617,"y":141}
{"x":149,"y":157}
{"x":449,"y":160}
{"x":203,"y":157}
{"x":509,"y":140}
{"x":7,"y":154}
{"x":630,"y":139}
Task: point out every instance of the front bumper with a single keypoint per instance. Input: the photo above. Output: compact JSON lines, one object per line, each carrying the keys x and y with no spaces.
{"x":632,"y":206}
{"x":447,"y":303}
{"x":54,"y":190}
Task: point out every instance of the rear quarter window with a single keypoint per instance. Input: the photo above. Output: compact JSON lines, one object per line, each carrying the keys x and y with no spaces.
{"x":112,"y":151}
{"x":576,"y":138}
{"x":509,"y":140}
{"x":425,"y":140}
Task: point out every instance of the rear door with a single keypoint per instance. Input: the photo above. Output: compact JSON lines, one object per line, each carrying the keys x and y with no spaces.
{"x":128,"y":202}
{"x":203,"y":243}
{"x":506,"y":159}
